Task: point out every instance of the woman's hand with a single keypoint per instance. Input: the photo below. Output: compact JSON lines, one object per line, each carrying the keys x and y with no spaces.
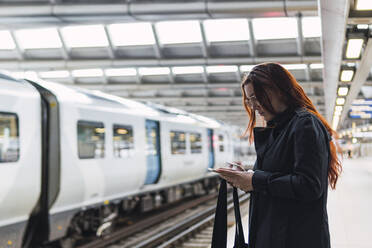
{"x":237,"y":178}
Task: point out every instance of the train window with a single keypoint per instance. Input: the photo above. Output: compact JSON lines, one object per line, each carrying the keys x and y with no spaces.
{"x":9,"y":138}
{"x":178,"y":142}
{"x":196,"y":142}
{"x":220,"y":140}
{"x":123,"y":141}
{"x":91,"y":139}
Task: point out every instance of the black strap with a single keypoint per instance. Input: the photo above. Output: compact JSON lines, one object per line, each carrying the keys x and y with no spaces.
{"x":239,"y":234}
{"x":219,"y":237}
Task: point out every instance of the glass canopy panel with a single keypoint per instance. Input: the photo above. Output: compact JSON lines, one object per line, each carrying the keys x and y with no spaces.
{"x":226,"y":30}
{"x":131,"y":34}
{"x":176,"y":32}
{"x":311,"y":27}
{"x":85,"y":36}
{"x":7,"y":42}
{"x":273,"y":28}
{"x":31,"y":38}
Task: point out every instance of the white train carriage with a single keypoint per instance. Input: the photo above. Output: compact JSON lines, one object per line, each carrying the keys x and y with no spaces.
{"x":93,"y":150}
{"x":20,"y":160}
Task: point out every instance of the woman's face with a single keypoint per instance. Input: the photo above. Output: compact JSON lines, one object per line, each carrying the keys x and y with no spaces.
{"x":275,"y":99}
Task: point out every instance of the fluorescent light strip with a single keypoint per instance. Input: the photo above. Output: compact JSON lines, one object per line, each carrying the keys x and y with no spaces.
{"x":316,"y":66}
{"x":246,"y":68}
{"x":188,"y":70}
{"x":146,"y":71}
{"x":222,"y":68}
{"x":295,"y":66}
{"x":117,"y":72}
{"x":347,"y":75}
{"x":54,"y":74}
{"x":342,"y":91}
{"x":354,"y":48}
{"x":88,"y":73}
{"x":340,"y":101}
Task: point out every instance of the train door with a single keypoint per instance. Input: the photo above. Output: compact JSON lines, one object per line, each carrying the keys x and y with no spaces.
{"x":152,"y":152}
{"x":210,"y":148}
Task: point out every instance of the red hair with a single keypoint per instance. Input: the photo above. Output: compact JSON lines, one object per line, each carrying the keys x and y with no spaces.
{"x":275,"y":78}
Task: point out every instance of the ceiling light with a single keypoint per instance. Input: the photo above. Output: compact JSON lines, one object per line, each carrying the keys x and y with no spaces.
{"x":342,"y":91}
{"x":188,"y":70}
{"x":222,"y":68}
{"x":338,"y":108}
{"x":146,"y":71}
{"x":340,"y":101}
{"x":316,"y":66}
{"x":354,"y":48}
{"x":347,"y":75}
{"x":117,"y":72}
{"x":362,"y":26}
{"x":335,"y":121}
{"x":246,"y":68}
{"x":87,"y":73}
{"x":295,"y":66}
{"x":363,"y":5}
{"x":54,"y":74}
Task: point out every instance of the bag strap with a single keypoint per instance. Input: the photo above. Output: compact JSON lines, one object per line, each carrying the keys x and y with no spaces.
{"x":239,"y":233}
{"x":219,"y":237}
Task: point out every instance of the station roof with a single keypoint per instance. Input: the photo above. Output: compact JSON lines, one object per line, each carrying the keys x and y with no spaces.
{"x":185,"y":54}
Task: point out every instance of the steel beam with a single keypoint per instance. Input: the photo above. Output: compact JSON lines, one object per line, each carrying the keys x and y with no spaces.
{"x":360,"y":77}
{"x":60,"y":13}
{"x":52,"y":64}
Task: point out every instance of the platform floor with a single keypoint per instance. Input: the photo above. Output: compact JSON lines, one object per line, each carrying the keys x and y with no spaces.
{"x":349,"y":207}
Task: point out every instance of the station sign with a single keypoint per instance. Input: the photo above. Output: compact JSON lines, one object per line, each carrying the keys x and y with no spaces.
{"x":361,"y":109}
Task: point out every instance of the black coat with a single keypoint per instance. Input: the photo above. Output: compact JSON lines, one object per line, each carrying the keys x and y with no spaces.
{"x":288,"y":207}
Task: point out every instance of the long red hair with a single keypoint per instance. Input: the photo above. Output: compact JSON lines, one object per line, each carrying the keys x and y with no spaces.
{"x":275,"y":78}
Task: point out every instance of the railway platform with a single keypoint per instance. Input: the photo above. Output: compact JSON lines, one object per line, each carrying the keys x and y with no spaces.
{"x":349,"y":207}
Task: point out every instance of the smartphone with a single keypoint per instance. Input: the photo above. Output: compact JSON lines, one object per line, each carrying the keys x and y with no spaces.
{"x":213,"y":170}
{"x":235,"y":165}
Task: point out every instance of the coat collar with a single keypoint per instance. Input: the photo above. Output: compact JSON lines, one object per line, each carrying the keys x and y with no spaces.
{"x":263,"y":136}
{"x":282,"y":118}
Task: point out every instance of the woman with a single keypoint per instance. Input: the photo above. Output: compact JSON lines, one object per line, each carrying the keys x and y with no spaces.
{"x":296,"y":160}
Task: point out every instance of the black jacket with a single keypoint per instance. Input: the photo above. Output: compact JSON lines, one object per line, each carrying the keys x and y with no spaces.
{"x":288,"y":207}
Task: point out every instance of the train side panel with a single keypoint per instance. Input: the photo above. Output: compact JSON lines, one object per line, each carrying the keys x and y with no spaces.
{"x":20,"y":158}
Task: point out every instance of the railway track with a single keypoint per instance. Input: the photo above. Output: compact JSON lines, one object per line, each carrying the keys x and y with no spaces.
{"x":170,"y":228}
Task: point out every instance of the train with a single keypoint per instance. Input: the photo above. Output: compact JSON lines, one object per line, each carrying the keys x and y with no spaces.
{"x":73,"y":160}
